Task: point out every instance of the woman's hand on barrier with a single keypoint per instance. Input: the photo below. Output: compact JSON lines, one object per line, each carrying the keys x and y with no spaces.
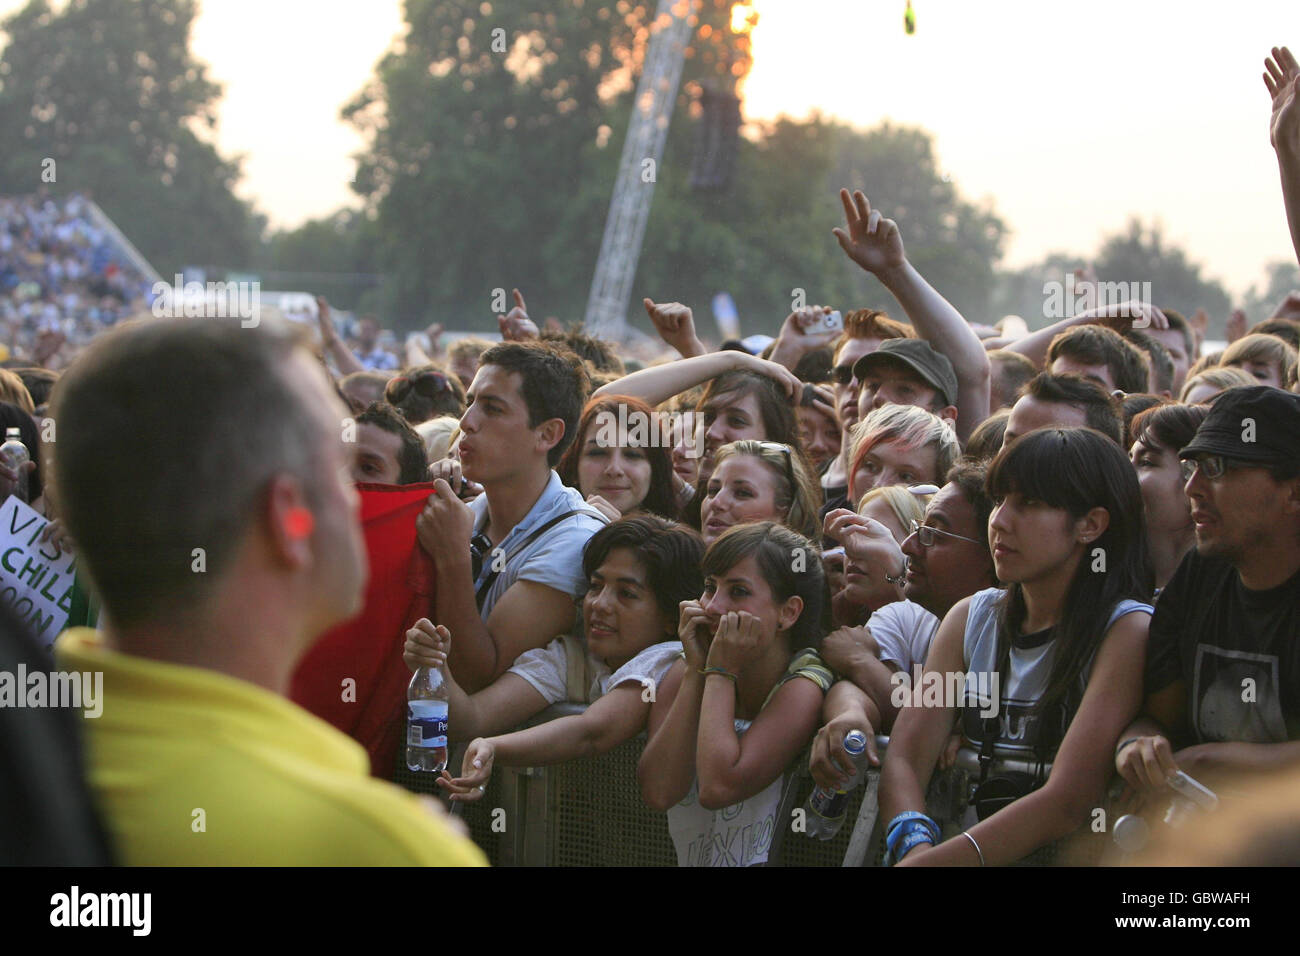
{"x":475,"y":772}
{"x":738,"y":641}
{"x":693,"y":632}
{"x":427,"y":645}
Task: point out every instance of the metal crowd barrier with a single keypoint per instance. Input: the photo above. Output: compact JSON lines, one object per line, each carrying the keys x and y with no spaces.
{"x":589,"y":812}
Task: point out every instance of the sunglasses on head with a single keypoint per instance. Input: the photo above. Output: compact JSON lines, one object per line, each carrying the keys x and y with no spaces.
{"x":789,"y":458}
{"x":428,"y":384}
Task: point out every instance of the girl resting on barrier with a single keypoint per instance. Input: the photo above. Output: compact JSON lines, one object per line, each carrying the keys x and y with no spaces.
{"x":745,"y":699}
{"x":639,"y":569}
{"x":1047,"y":671}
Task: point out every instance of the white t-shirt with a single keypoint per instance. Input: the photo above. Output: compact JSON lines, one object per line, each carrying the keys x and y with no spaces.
{"x":904,"y":631}
{"x":546,"y":668}
{"x":738,"y":835}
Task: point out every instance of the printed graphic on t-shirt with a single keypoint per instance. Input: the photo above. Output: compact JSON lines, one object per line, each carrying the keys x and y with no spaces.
{"x":1018,"y":726}
{"x":1236,"y":696}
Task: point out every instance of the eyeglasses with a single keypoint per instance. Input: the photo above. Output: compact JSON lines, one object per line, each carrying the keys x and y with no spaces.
{"x":428,"y":384}
{"x":925,"y":534}
{"x":843,"y":374}
{"x":1212,"y":466}
{"x":789,"y":459}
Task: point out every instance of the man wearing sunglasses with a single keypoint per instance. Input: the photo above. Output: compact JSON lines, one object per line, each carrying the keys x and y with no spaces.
{"x":1223,"y":663}
{"x":947,"y":559}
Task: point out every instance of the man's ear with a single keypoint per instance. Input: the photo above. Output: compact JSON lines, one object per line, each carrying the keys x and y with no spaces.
{"x":1092,"y":525}
{"x":550,"y":433}
{"x":948,"y":414}
{"x":289,"y":522}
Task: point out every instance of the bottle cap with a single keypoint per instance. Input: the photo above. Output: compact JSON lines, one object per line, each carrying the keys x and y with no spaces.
{"x":855,"y":741}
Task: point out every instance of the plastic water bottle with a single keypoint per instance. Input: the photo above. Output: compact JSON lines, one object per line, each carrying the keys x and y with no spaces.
{"x":426,"y":721}
{"x":14,"y":454}
{"x":826,"y":808}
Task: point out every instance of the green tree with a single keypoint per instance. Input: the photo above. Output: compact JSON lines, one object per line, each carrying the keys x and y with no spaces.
{"x":954,"y":243}
{"x":1281,"y":279}
{"x":1140,"y":255}
{"x":493,"y":136}
{"x":109,"y":90}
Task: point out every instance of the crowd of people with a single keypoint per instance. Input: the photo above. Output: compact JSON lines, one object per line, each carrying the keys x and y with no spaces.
{"x":1075,"y":551}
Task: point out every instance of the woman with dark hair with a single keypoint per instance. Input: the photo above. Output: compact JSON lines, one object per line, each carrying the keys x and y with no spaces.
{"x":737,"y":712}
{"x":639,"y":570}
{"x":1048,"y":671}
{"x":746,"y":397}
{"x":621,"y":459}
{"x":1158,"y":434}
{"x":425,"y":392}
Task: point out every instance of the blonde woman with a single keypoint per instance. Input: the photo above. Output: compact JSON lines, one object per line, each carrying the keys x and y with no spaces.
{"x":760,"y":481}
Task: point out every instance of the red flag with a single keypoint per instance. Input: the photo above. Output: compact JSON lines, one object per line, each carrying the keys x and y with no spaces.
{"x":368,"y":648}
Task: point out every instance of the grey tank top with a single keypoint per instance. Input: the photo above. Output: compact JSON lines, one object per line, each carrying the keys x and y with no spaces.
{"x":1020,"y":688}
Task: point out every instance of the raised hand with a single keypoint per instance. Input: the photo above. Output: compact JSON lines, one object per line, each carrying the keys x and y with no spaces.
{"x":794,"y":341}
{"x":1282,"y":78}
{"x":324,"y":320}
{"x":1235,"y":327}
{"x":675,"y":324}
{"x":427,"y":645}
{"x":867,"y":542}
{"x":515,"y":325}
{"x":871,"y":241}
{"x":789,"y":382}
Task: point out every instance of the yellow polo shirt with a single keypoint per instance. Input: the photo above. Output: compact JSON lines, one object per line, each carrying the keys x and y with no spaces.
{"x":192,"y":767}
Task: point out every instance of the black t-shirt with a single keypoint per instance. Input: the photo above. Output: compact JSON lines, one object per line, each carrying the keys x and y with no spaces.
{"x":1238,"y":652}
{"x":836,"y":497}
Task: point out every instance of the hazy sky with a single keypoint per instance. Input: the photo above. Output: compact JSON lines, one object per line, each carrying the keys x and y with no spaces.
{"x":1071,"y":116}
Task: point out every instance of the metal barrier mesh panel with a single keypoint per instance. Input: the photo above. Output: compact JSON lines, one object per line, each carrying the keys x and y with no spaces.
{"x":599,"y":817}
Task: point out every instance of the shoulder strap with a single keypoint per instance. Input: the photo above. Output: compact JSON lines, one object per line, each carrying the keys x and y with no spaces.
{"x":577,"y":680}
{"x":481,"y":594}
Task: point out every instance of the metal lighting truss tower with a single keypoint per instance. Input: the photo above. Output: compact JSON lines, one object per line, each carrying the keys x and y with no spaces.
{"x":656,"y":94}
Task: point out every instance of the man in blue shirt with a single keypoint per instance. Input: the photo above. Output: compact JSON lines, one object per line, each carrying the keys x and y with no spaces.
{"x":510,"y":563}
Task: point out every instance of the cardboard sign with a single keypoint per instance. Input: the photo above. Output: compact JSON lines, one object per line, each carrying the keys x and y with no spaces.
{"x":35,"y":576}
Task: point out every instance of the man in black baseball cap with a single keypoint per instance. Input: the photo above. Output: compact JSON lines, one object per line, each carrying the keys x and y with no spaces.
{"x":907,"y":372}
{"x":1223,"y":658}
